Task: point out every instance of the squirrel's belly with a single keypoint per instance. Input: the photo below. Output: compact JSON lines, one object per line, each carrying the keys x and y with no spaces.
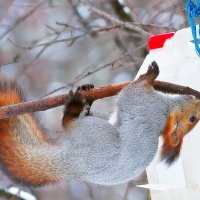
{"x":119,"y":174}
{"x":118,"y":177}
{"x":123,"y":169}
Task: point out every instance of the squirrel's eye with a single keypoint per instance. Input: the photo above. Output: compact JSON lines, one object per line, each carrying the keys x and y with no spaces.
{"x":192,"y":118}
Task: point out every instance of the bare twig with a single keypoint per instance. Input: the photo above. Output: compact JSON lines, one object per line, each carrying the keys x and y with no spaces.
{"x":70,"y":39}
{"x":88,"y":73}
{"x":75,"y":38}
{"x":152,"y":25}
{"x":14,"y":60}
{"x":57,"y":34}
{"x":159,"y":10}
{"x":94,"y":94}
{"x":119,"y":22}
{"x":13,"y":26}
{"x":41,"y":51}
{"x":81,"y":20}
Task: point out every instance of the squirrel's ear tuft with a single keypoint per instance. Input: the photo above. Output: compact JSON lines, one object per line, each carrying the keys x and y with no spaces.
{"x":170,"y":153}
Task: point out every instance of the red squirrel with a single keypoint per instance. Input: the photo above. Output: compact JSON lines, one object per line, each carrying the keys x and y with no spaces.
{"x":94,"y":149}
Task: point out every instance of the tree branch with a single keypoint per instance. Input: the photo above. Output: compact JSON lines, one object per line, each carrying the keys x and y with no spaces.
{"x":94,"y":94}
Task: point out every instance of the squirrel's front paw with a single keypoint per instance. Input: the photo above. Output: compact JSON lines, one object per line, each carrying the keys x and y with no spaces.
{"x":74,"y":104}
{"x":85,"y":87}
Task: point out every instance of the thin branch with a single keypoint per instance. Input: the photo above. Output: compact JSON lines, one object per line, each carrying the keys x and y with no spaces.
{"x":71,"y":40}
{"x":92,"y":95}
{"x":18,"y":21}
{"x":120,"y":12}
{"x":59,"y":41}
{"x":75,"y":38}
{"x":96,"y":69}
{"x":14,"y":60}
{"x":84,"y":22}
{"x":127,"y":25}
{"x":152,"y":25}
{"x":42,"y":50}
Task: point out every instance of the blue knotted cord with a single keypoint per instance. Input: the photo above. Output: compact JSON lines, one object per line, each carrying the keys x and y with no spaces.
{"x":193,"y":10}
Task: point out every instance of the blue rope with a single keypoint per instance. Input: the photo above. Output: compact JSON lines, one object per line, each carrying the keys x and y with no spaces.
{"x":193,"y":10}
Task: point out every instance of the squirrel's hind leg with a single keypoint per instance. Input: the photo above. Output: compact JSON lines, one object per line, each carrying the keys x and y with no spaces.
{"x":75,"y":104}
{"x":151,"y":74}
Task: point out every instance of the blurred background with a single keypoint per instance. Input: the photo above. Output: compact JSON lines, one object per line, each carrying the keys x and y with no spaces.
{"x":51,"y":46}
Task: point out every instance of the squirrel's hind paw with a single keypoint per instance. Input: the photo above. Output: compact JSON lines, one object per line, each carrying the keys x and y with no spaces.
{"x":151,"y":75}
{"x":153,"y":70}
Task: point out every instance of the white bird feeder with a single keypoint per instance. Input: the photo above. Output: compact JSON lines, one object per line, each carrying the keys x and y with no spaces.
{"x":179,"y":64}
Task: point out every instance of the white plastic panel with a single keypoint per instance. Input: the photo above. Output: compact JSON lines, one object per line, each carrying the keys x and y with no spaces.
{"x":178,"y":64}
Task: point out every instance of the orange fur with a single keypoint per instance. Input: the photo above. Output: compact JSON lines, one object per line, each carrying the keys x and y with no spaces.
{"x":34,"y":126}
{"x":13,"y":162}
{"x":177,"y":126}
{"x":73,"y":110}
{"x":171,"y":144}
{"x":9,"y":97}
{"x":168,"y":133}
